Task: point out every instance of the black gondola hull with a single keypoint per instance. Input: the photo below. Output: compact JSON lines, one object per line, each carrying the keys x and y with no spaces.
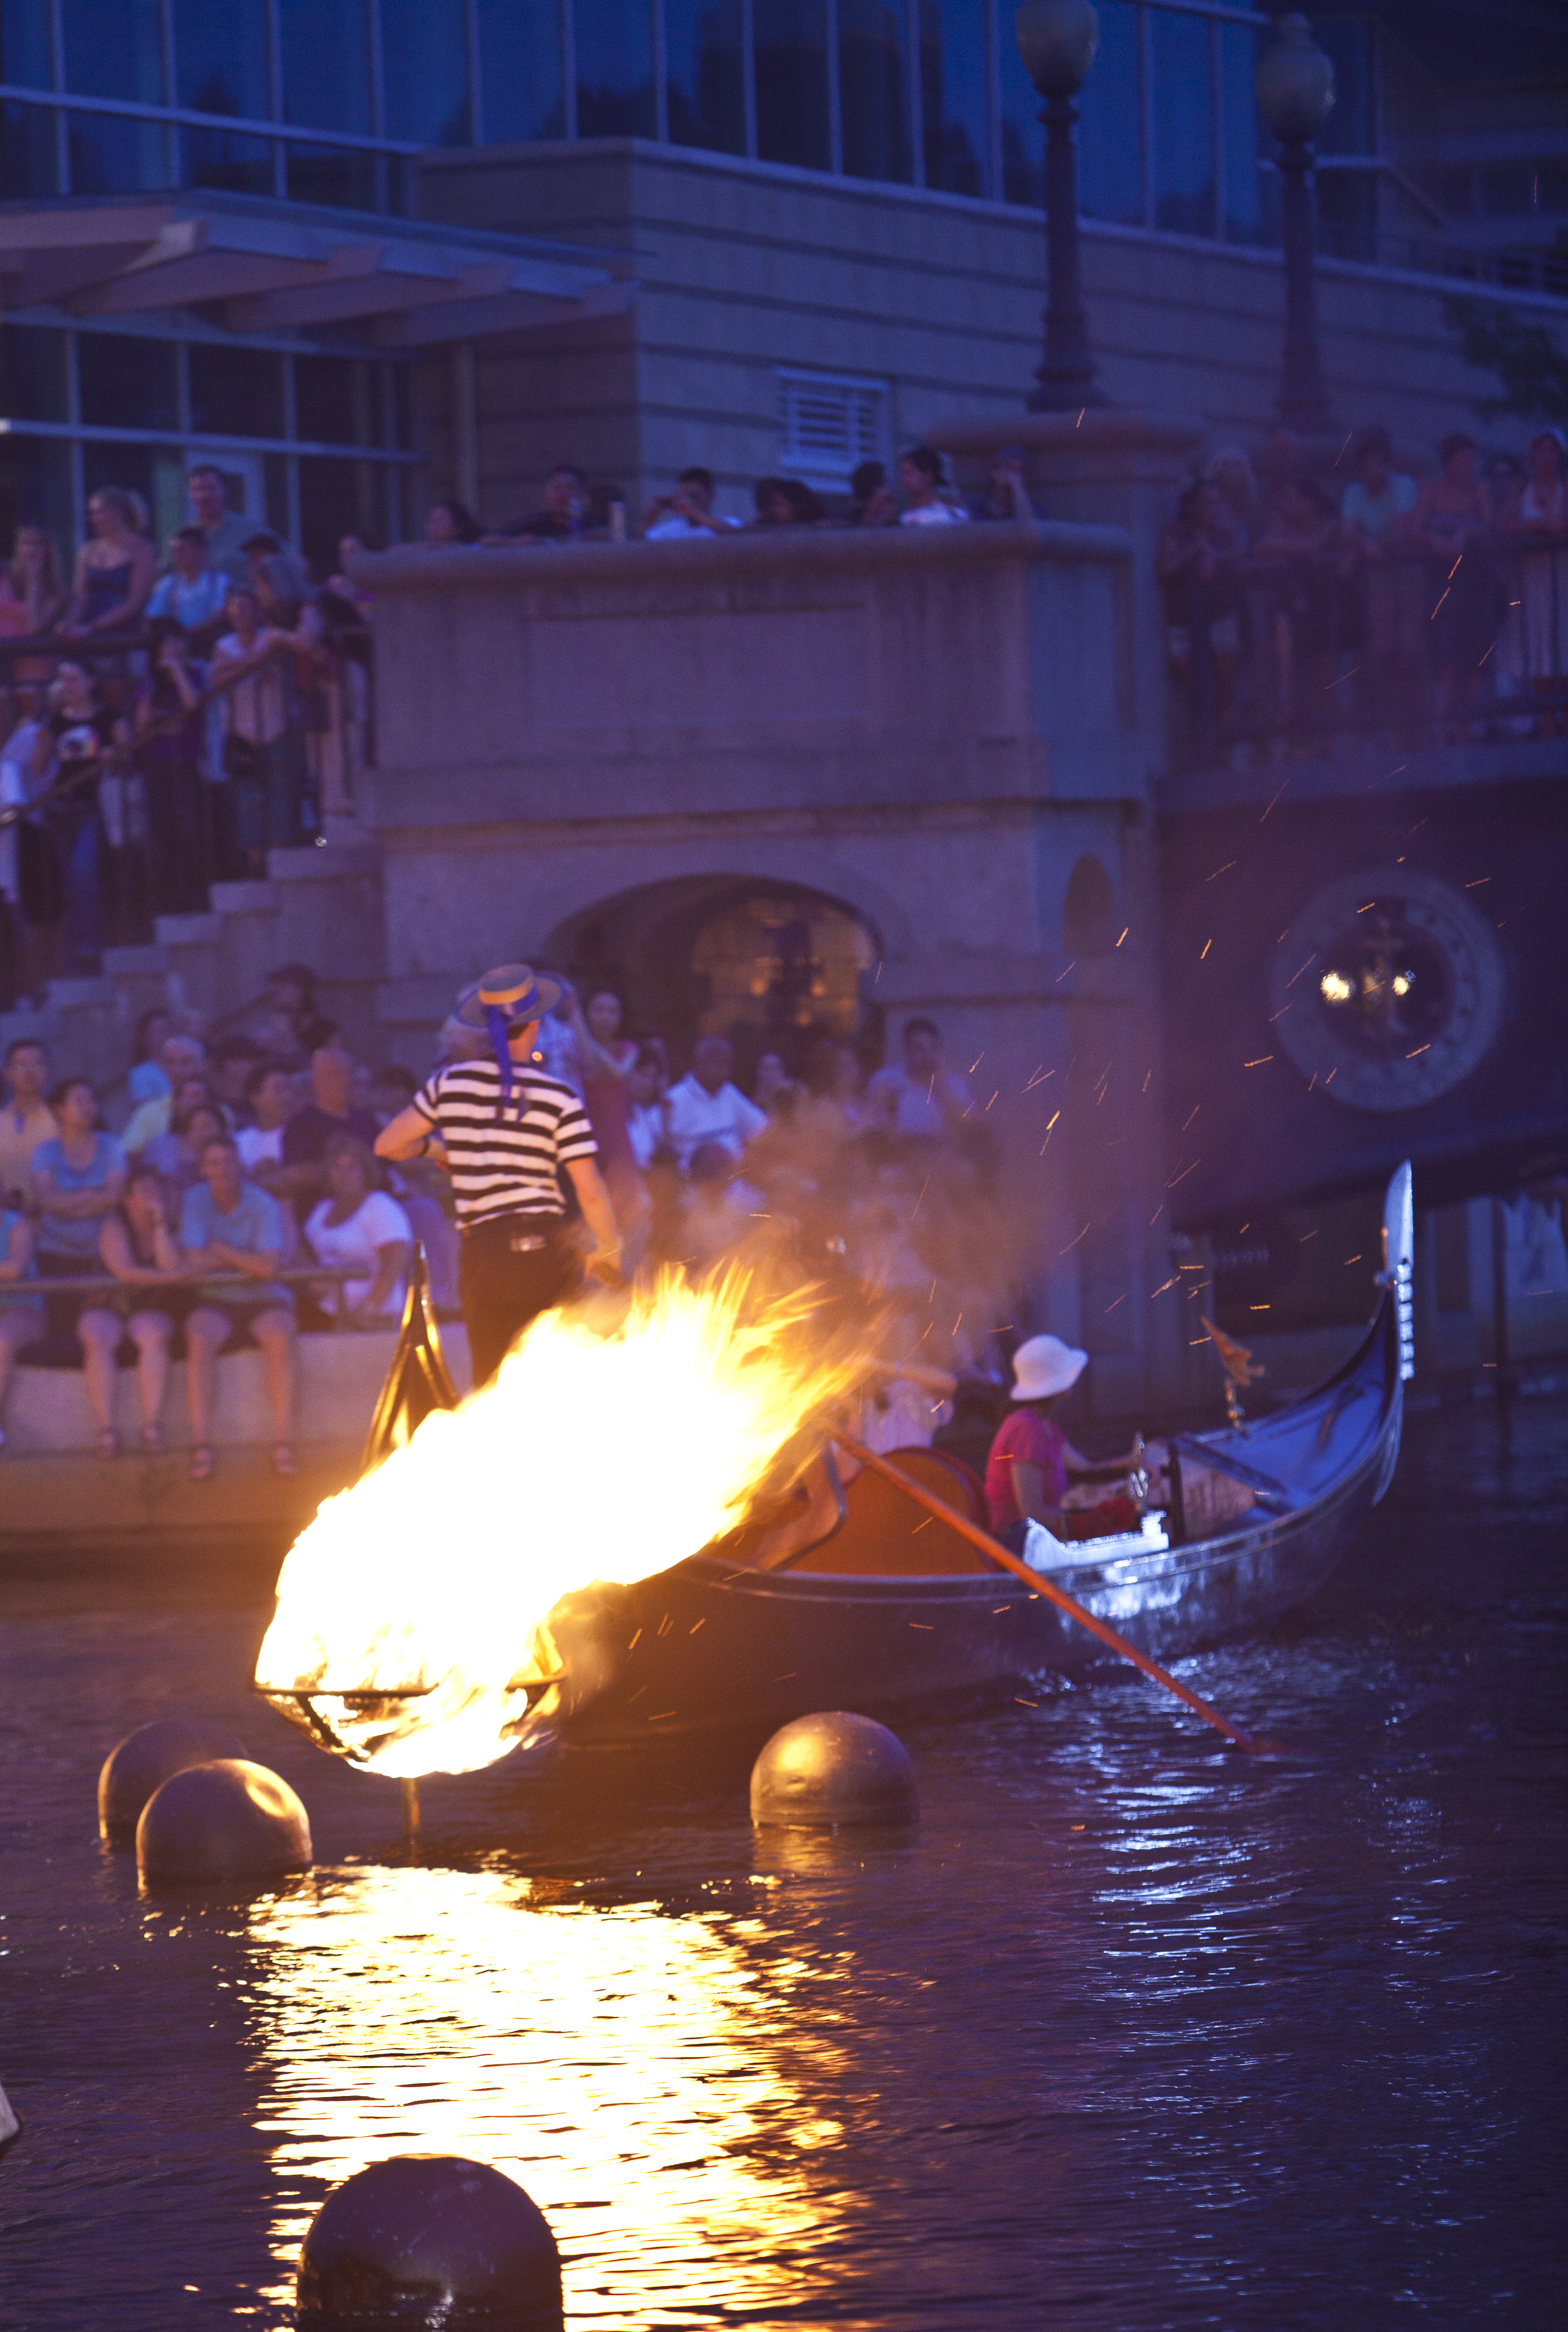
{"x":706,"y":1646}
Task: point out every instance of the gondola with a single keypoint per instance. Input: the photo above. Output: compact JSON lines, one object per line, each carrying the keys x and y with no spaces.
{"x":892,"y":1610}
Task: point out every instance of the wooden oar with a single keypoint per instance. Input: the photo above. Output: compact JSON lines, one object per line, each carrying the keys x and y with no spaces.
{"x":1053,"y":1594}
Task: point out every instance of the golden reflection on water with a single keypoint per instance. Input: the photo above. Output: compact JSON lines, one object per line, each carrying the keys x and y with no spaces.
{"x":621,"y":2064}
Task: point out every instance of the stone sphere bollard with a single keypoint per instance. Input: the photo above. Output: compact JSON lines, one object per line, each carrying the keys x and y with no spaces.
{"x":427,"y":2240}
{"x":832,"y":1768}
{"x":134,"y":1769}
{"x":226,"y":1820}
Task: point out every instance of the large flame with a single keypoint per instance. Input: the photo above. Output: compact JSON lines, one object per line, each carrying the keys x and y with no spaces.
{"x":590,"y":1457}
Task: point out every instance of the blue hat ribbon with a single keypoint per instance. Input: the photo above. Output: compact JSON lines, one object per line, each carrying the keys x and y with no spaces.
{"x":500,"y":1032}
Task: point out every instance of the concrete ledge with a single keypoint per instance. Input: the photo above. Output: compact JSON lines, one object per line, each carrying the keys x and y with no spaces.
{"x":339,"y":1377}
{"x":416,"y":567}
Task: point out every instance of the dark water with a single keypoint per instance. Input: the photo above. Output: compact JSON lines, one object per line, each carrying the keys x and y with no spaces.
{"x":1132,"y":2033}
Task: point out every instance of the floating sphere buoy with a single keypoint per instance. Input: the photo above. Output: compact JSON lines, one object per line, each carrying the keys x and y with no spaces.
{"x":134,"y":1769}
{"x":426,"y":2239}
{"x":225,"y":1820}
{"x":832,"y":1768}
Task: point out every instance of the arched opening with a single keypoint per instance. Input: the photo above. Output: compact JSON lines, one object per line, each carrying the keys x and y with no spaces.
{"x":774,"y":966}
{"x":1088,"y":920}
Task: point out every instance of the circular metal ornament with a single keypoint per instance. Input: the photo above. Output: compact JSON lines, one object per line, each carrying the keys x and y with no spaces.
{"x":1388,"y":990}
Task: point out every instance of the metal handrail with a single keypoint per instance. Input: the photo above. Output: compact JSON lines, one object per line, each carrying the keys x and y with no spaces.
{"x":100,"y":1283}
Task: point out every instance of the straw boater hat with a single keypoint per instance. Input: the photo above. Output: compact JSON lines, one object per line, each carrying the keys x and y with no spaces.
{"x":1045,"y":1365}
{"x":501,"y":1002}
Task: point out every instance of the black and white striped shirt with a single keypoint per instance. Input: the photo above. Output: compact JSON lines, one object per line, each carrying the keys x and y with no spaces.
{"x":504,"y":1160}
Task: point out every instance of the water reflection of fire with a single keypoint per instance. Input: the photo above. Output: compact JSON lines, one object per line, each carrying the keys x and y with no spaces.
{"x":591,"y":1457}
{"x":616,"y":2063}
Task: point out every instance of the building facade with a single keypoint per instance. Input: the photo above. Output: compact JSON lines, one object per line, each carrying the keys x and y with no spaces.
{"x":823,"y":216}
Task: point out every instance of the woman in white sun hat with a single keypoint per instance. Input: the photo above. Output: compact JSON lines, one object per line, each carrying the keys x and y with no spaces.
{"x":1026,"y":1474}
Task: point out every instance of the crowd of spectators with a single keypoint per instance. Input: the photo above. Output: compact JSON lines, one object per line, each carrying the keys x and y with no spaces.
{"x":242,"y":1164}
{"x":165,"y":721}
{"x":1297,"y":600}
{"x":163,"y":724}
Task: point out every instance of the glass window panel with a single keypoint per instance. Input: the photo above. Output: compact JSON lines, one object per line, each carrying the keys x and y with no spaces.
{"x":705,"y":84}
{"x":35,"y":491}
{"x":25,"y":59}
{"x":338,"y":498}
{"x":326,"y":52}
{"x":1110,"y":133}
{"x":520,"y":70}
{"x":218,"y":158}
{"x":1182,"y":111}
{"x":1239,"y":100}
{"x":790,"y":39}
{"x":275,"y":492}
{"x":402,"y":377}
{"x":114,"y":48}
{"x":338,"y":400}
{"x":614,"y":48}
{"x":873,"y":95}
{"x":127,"y":382}
{"x":110,"y":154}
{"x":221,"y":57}
{"x":235,"y":392}
{"x":331,"y":174}
{"x":29,"y":155}
{"x":952,"y":96}
{"x":32,"y":374}
{"x":424,"y":71}
{"x":1022,"y":138}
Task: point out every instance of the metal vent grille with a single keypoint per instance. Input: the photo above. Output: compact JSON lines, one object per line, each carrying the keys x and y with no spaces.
{"x":828,"y":424}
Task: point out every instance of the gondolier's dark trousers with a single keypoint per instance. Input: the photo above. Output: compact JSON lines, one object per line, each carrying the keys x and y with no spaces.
{"x":510,"y":1270}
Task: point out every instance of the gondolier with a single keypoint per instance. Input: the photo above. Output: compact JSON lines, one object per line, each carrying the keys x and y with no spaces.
{"x":504,"y":1131}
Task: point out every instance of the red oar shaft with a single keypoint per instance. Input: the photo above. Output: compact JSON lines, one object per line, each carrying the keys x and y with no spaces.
{"x":1042,"y":1586}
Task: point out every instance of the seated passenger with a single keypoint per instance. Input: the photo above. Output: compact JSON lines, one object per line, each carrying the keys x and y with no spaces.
{"x":1026,"y":1474}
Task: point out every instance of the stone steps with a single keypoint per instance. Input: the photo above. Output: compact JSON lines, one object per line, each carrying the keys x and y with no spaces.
{"x":319,"y":905}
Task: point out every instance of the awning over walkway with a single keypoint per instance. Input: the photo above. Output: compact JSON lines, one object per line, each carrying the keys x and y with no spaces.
{"x":255,"y":266}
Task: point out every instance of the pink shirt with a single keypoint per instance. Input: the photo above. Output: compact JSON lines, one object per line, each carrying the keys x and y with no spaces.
{"x":1037,"y":1442}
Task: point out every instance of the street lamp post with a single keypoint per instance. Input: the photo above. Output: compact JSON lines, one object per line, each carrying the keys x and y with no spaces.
{"x":1057,"y":40}
{"x":1295,"y":98}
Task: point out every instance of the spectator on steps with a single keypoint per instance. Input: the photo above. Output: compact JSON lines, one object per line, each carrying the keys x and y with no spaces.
{"x":136,"y":1246}
{"x":145,"y":1079}
{"x":687,"y":513}
{"x":114,"y":569}
{"x":177,"y":1155}
{"x":77,"y":1179}
{"x":263,"y":753}
{"x":872,"y":502}
{"x":26,"y":1118}
{"x":920,"y":482}
{"x":228,"y":1224}
{"x":705,"y":1107}
{"x":223,"y":530}
{"x":564,"y":515}
{"x":193,"y":592}
{"x":920,"y":1100}
{"x":328,"y":1114}
{"x":1006,"y":495}
{"x":451,"y":522}
{"x":271,"y":1101}
{"x":21,"y":1316}
{"x":180,"y":1056}
{"x":356,"y":1223}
